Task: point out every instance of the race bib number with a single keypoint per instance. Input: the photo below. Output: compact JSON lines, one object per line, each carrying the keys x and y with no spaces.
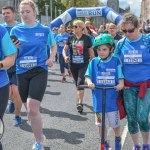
{"x":77,"y":59}
{"x":28,"y":62}
{"x":61,"y":44}
{"x":105,"y":78}
{"x":133,"y":57}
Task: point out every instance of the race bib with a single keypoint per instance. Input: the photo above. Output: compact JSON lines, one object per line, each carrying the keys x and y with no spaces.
{"x":133,"y":57}
{"x":61,"y":44}
{"x":105,"y":78}
{"x":77,"y":59}
{"x":28,"y":62}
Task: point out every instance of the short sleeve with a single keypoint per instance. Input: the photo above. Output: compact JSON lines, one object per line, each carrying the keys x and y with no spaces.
{"x":8,"y":46}
{"x":51,"y":40}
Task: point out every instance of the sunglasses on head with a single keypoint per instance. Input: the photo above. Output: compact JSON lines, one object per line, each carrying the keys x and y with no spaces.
{"x":129,"y":31}
{"x":75,"y":26}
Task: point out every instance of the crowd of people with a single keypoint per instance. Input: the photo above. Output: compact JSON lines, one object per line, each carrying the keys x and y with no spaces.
{"x":96,"y":57}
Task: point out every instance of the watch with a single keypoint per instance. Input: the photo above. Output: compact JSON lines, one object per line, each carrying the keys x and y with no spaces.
{"x":1,"y":65}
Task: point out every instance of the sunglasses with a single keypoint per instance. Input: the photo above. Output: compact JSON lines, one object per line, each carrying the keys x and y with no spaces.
{"x":129,"y":31}
{"x":75,"y":26}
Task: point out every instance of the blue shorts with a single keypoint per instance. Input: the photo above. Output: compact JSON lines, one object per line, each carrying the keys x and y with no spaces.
{"x":12,"y":77}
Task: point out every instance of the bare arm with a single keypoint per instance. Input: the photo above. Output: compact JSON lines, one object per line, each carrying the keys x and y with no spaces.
{"x":89,"y":83}
{"x":53,"y":51}
{"x":120,"y":86}
{"x":66,"y":58}
{"x":91,"y":53}
{"x":8,"y":61}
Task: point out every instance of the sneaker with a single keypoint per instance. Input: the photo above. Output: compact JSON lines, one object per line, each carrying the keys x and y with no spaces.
{"x":117,"y":143}
{"x":106,"y":146}
{"x":69,"y":73}
{"x":146,"y":147}
{"x":136,"y":147}
{"x":11,"y":107}
{"x":80,"y":108}
{"x":17,"y":121}
{"x":37,"y":146}
{"x":63,"y":80}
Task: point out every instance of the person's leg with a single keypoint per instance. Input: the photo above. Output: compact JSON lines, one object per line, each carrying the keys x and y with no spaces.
{"x":62,"y":67}
{"x":81,"y":79}
{"x":17,"y":99}
{"x":4,"y":94}
{"x":143,"y":116}
{"x":130,"y":102}
{"x":98,"y":122}
{"x":114,"y":122}
{"x":33,"y":107}
{"x":36,"y":92}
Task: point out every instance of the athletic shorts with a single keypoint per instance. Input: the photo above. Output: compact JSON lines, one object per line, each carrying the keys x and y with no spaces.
{"x":112,"y":119}
{"x":12,"y":77}
{"x":32,"y":84}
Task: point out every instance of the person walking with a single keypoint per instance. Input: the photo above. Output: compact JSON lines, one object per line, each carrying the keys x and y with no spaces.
{"x":134,"y":52}
{"x":15,"y":102}
{"x":32,"y":65}
{"x":7,"y":59}
{"x":81,"y":52}
{"x":61,"y":39}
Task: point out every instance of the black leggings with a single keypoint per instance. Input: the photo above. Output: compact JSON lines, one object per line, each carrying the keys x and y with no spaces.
{"x":32,"y":84}
{"x":4,"y":95}
{"x":78,"y":73}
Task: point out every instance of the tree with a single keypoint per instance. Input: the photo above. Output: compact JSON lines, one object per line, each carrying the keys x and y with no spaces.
{"x":80,"y":3}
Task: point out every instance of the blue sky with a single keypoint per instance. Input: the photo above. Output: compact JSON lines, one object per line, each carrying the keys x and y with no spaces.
{"x":135,"y":5}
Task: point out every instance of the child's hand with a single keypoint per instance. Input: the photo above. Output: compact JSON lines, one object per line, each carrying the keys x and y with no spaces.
{"x":119,"y":87}
{"x":91,"y":85}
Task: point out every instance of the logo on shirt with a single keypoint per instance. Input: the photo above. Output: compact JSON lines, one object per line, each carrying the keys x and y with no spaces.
{"x":39,"y":34}
{"x":142,"y":46}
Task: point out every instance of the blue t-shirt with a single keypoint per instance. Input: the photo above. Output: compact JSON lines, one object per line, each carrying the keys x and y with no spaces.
{"x":33,"y":48}
{"x":61,"y":40}
{"x":6,"y":48}
{"x":105,"y":74}
{"x":135,"y":56}
{"x":8,"y":27}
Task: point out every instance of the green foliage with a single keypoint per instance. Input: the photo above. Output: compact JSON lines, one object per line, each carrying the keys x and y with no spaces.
{"x":63,"y":5}
{"x":80,"y":3}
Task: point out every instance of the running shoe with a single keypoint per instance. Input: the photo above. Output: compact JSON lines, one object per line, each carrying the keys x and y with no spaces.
{"x":136,"y":147}
{"x":17,"y":121}
{"x":146,"y":147}
{"x":11,"y":107}
{"x":63,"y":80}
{"x":106,"y":146}
{"x":117,"y":143}
{"x":37,"y":146}
{"x":80,"y":108}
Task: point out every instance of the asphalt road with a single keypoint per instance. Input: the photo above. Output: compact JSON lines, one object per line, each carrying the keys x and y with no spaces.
{"x":64,"y":127}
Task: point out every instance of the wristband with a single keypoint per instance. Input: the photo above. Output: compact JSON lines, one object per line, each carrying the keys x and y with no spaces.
{"x":1,"y":65}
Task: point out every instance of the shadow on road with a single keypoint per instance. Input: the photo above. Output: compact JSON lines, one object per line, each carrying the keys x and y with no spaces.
{"x":54,"y":80}
{"x":52,"y":93}
{"x":61,"y":114}
{"x":72,"y":138}
{"x":88,"y":106}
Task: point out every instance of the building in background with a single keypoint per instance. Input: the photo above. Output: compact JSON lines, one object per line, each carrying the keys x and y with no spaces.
{"x":114,"y":4}
{"x":145,"y":10}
